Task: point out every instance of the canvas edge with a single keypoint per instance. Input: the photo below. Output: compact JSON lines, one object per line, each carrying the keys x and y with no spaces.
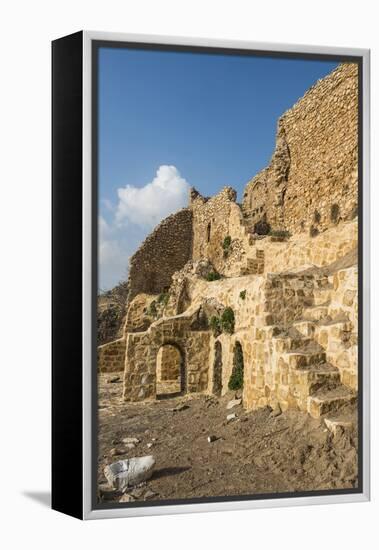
{"x":88,"y":512}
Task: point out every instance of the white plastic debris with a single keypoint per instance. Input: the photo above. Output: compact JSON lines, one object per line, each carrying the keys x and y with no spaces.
{"x":129,"y":472}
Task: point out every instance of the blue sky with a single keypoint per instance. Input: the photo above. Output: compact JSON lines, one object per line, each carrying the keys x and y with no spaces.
{"x":171,"y":120}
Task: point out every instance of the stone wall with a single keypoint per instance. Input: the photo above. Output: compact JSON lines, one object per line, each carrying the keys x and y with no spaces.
{"x":311,"y":182}
{"x":163,"y":252}
{"x":302,"y":251}
{"x":211,"y":224}
{"x":111,"y":357}
{"x":340,"y":339}
{"x":140,"y":375}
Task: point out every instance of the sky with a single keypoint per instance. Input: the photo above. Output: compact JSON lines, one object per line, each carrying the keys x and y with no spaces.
{"x":172,"y":120}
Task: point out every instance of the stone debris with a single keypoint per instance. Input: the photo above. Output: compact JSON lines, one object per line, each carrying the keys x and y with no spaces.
{"x":211,"y":438}
{"x":129,"y":472}
{"x":127,"y":498}
{"x":335,"y":426}
{"x":149,"y":494}
{"x":108,"y":493}
{"x":181,"y":407}
{"x":233,"y":403}
{"x":231,"y":417}
{"x":276,"y":411}
{"x":116,"y":451}
{"x":149,"y":445}
{"x":133,"y":440}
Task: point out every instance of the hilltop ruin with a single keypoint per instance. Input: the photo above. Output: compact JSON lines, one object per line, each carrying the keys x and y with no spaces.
{"x":266,"y":290}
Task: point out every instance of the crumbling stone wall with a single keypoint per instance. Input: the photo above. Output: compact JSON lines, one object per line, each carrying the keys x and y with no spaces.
{"x":211,"y":225}
{"x":111,"y":357}
{"x":163,"y":252}
{"x":140,"y":374}
{"x":312,"y":181}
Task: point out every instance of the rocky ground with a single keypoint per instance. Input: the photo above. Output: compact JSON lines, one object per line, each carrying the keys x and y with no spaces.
{"x":264,"y":451}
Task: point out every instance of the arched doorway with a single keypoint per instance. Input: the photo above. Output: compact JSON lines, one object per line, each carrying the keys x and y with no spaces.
{"x":217,"y":370}
{"x":170,"y":379}
{"x":236,"y":378}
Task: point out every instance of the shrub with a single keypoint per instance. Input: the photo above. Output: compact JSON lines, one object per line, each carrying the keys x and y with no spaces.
{"x":215,"y":325}
{"x":152,"y":309}
{"x":236,"y":378}
{"x":227,"y":242}
{"x":227,"y":320}
{"x":243,"y":294}
{"x":226,"y":245}
{"x":279,"y":233}
{"x":313,"y":231}
{"x":213,"y":276}
{"x":262,"y":228}
{"x":163,"y":298}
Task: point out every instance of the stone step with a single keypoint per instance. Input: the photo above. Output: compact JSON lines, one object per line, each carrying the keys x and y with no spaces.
{"x":338,"y":424}
{"x":317,"y":376}
{"x":289,"y":343}
{"x":299,"y":359}
{"x":315,"y":313}
{"x":330,"y":401}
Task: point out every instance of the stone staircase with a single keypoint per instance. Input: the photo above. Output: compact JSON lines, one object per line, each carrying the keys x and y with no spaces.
{"x":314,"y":383}
{"x":254,"y":265}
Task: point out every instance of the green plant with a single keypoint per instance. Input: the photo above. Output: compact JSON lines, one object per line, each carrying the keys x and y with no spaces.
{"x":279,"y":233}
{"x":236,"y":378}
{"x":262,"y":228}
{"x":226,"y":245}
{"x":163,"y":298}
{"x":227,"y":320}
{"x":243,"y":294}
{"x":213,"y":276}
{"x":215,"y":325}
{"x":227,"y":242}
{"x":152,"y":309}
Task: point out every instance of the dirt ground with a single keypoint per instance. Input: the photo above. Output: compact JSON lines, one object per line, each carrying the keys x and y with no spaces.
{"x":262,"y":451}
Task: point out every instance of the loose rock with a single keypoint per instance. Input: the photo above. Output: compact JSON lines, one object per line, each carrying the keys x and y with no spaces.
{"x":233,"y":403}
{"x":133,"y":440}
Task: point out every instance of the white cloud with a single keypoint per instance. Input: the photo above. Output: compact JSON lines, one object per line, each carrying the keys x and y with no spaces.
{"x":112,"y":259}
{"x":139,"y":209}
{"x":147,"y":206}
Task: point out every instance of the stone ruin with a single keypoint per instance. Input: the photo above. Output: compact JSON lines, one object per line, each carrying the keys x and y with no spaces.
{"x":275,"y":278}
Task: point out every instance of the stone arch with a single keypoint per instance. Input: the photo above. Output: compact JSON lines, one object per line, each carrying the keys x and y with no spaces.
{"x":170,"y":370}
{"x":217,"y":369}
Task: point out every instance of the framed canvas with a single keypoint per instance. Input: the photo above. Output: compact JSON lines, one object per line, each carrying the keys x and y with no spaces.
{"x":210,"y":275}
